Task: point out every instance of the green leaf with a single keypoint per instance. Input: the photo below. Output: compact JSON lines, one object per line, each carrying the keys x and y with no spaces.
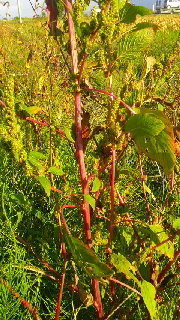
{"x":124,"y":266}
{"x":69,"y":134}
{"x":148,"y":190}
{"x":31,"y":268}
{"x":148,"y":292}
{"x":153,"y":135}
{"x":145,"y":25}
{"x":158,"y":235}
{"x":35,"y":162}
{"x":31,"y":110}
{"x":45,"y":183}
{"x":90,"y":200}
{"x":176,"y":224}
{"x":37,"y":155}
{"x":129,"y":12}
{"x":86,"y":258}
{"x":57,"y":171}
{"x":96,"y":185}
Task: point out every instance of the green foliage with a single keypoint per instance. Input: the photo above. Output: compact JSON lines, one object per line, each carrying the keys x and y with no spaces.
{"x":153,"y":135}
{"x":45,"y":183}
{"x":129,"y":12}
{"x":133,"y":56}
{"x":149,"y":293}
{"x":86,"y":258}
{"x":90,"y":200}
{"x":158,"y":236}
{"x":124,"y":266}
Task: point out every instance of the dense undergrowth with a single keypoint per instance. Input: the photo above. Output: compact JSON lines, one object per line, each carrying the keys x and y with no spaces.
{"x":37,"y":88}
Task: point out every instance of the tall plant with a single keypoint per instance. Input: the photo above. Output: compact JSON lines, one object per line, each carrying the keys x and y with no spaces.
{"x":104,"y":42}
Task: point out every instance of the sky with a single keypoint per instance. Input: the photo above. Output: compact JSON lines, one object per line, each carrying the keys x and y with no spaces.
{"x":27,"y":10}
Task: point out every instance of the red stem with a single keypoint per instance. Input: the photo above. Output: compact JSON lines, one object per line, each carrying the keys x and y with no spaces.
{"x":60,"y":292}
{"x":112,"y":195}
{"x":44,"y":262}
{"x":38,"y":122}
{"x":167,"y":267}
{"x":65,"y":195}
{"x":79,"y":147}
{"x":125,"y":285}
{"x":111,"y":95}
{"x":25,"y":303}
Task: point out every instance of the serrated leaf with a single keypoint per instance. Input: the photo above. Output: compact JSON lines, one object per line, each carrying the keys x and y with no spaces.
{"x":86,"y":258}
{"x":90,"y":200}
{"x":96,"y":185}
{"x":123,"y":265}
{"x":37,"y":155}
{"x":45,"y":183}
{"x":153,"y":134}
{"x":158,"y":236}
{"x":148,"y":292}
{"x":55,"y":170}
{"x":129,"y":12}
{"x":176,"y":224}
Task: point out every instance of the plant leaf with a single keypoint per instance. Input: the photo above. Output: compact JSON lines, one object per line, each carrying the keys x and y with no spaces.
{"x":57,"y":171}
{"x":158,"y":235}
{"x":148,"y":292}
{"x":35,"y":162}
{"x":153,"y":135}
{"x":37,"y":155}
{"x":144,"y":25}
{"x":86,"y":258}
{"x":90,"y":200}
{"x":176,"y":224}
{"x":45,"y":183}
{"x":129,"y":12}
{"x":124,"y":266}
{"x":96,"y":185}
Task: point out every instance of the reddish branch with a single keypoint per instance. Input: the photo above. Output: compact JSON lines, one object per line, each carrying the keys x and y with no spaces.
{"x":111,"y":95}
{"x":33,"y":311}
{"x":79,"y":146}
{"x":60,"y":292}
{"x":112,"y":196}
{"x":167,"y":267}
{"x":44,"y":262}
{"x":52,"y":15}
{"x":125,"y":285}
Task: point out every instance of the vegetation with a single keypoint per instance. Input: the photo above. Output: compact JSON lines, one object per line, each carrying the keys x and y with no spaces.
{"x":88,"y":171}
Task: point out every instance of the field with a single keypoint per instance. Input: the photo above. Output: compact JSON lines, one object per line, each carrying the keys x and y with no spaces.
{"x":88,"y":177}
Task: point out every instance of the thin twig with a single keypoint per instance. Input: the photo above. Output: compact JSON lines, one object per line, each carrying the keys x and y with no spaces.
{"x":111,"y":95}
{"x":125,"y":285}
{"x":109,"y":316}
{"x":44,"y":262}
{"x":60,"y":292}
{"x":112,"y":196}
